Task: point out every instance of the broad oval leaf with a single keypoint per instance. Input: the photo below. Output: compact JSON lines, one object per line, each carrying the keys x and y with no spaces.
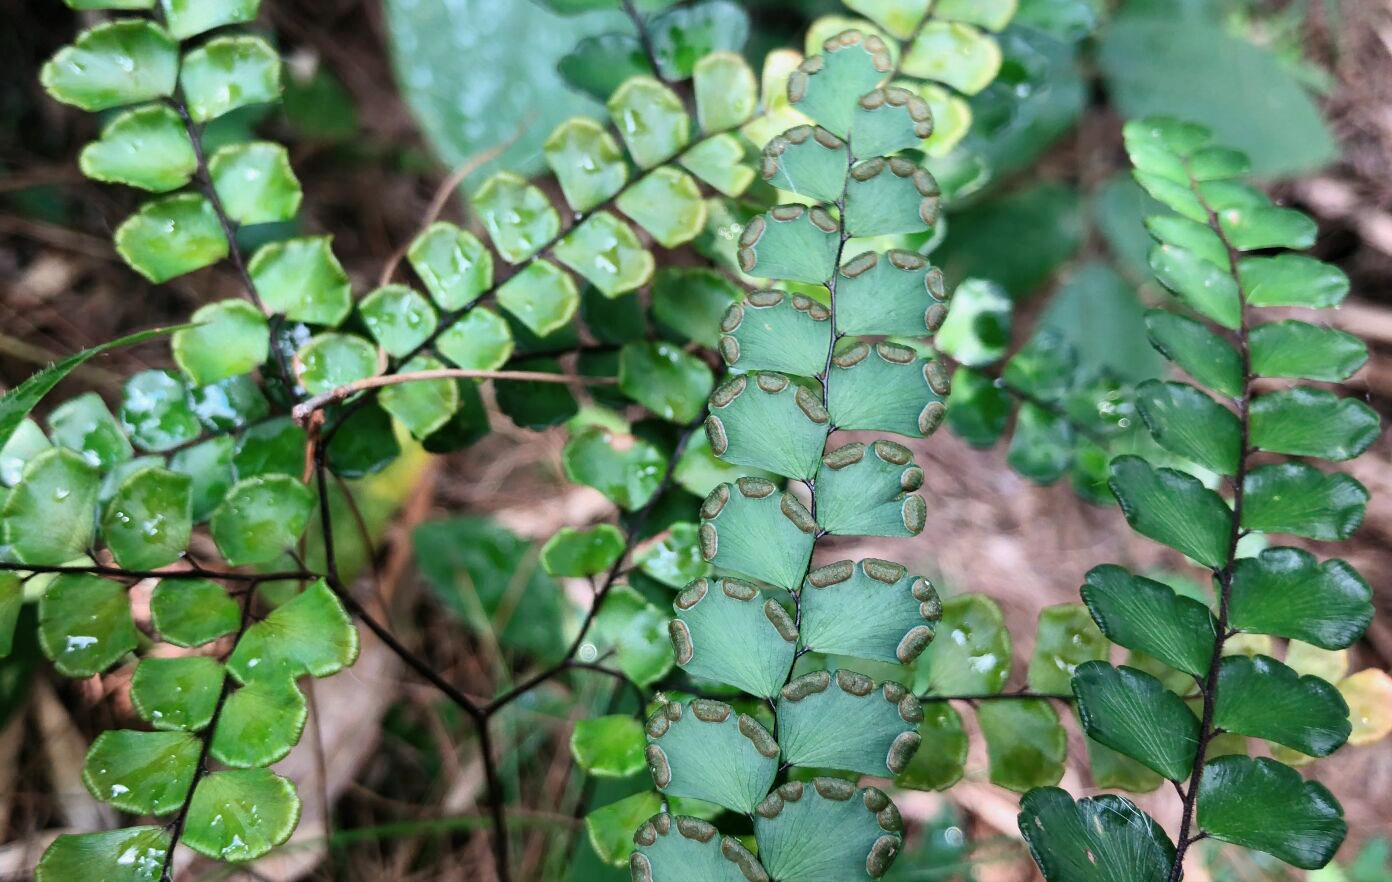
{"x":790,"y":242}
{"x":1100,"y":839}
{"x":240,"y":815}
{"x":229,"y":338}
{"x":171,"y":236}
{"x":85,"y":624}
{"x":454,"y":265}
{"x":772,"y":331}
{"x":302,"y":279}
{"x":309,"y":634}
{"x":1025,"y":744}
{"x":887,"y":388}
{"x":1131,"y":712}
{"x":144,"y":773}
{"x":115,"y":63}
{"x":147,"y":524}
{"x":261,"y":517}
{"x":1264,"y":805}
{"x":259,"y":724}
{"x":1261,"y":697}
{"x":49,"y":517}
{"x":1173,"y":508}
{"x":1185,"y":421}
{"x":146,"y":147}
{"x":1286,"y":592}
{"x":226,"y":73}
{"x":1312,"y":422}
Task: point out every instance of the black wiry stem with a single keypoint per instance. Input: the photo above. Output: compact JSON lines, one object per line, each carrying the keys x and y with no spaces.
{"x":229,"y":230}
{"x":1209,"y":684}
{"x":176,"y":827}
{"x":196,"y":572}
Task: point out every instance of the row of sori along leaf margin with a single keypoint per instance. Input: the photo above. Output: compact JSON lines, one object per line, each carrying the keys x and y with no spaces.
{"x":208,"y":444}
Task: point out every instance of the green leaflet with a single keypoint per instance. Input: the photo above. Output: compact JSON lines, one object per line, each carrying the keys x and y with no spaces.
{"x":146,"y":147}
{"x":145,"y":242}
{"x":148,"y":522}
{"x":574,"y":552}
{"x":626,"y":469}
{"x":771,"y":331}
{"x":144,"y":773}
{"x":1206,"y":357}
{"x":1292,"y":280}
{"x":668,"y":204}
{"x":650,"y":119}
{"x":328,"y":361}
{"x":790,"y":242}
{"x":691,"y":302}
{"x":85,"y":624}
{"x":610,"y":746}
{"x":769,"y":424}
{"x":1312,"y":422}
{"x":130,"y":854}
{"x":1101,"y":839}
{"x":309,"y":634}
{"x":809,"y":161}
{"x":1067,"y":637}
{"x":667,"y":381}
{"x":791,"y":828}
{"x":897,"y":293}
{"x":587,"y":162}
{"x":972,"y":654}
{"x":49,"y":517}
{"x":157,"y":411}
{"x":890,"y":196}
{"x":229,"y":338}
{"x":226,"y":73}
{"x":1145,"y":615}
{"x":886,"y":388}
{"x":888,"y":120}
{"x":541,"y":296}
{"x":240,"y":815}
{"x":1201,"y":285}
{"x":727,"y":93}
{"x":956,"y":54}
{"x":1286,"y":592}
{"x":605,"y":251}
{"x":177,"y":693}
{"x":942,"y":753}
{"x":672,"y":848}
{"x":728,"y":631}
{"x":827,"y":86}
{"x":302,"y":279}
{"x":255,"y":182}
{"x":635,"y":630}
{"x":1299,"y":499}
{"x":1184,"y":420}
{"x":843,"y":721}
{"x":1174,"y":508}
{"x":115,"y":63}
{"x":706,"y":750}
{"x":873,"y":609}
{"x":188,"y":18}
{"x":752,"y":529}
{"x":399,"y":318}
{"x":1025,"y":743}
{"x":1261,"y":697}
{"x":86,"y":425}
{"x":867,"y":491}
{"x":423,"y":406}
{"x":261,"y":517}
{"x":1264,"y":805}
{"x":260,"y":723}
{"x":1304,"y":351}
{"x":454,"y":265}
{"x":1131,"y":712}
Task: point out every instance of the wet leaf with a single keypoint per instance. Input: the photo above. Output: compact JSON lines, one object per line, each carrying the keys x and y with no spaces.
{"x":942,"y":753}
{"x":1263,"y":805}
{"x":85,"y":624}
{"x":230,"y":338}
{"x":177,"y":693}
{"x":259,"y":723}
{"x":1298,"y":499}
{"x":328,"y":361}
{"x":129,"y":854}
{"x":144,"y":773}
{"x":1303,"y":421}
{"x":398,"y":317}
{"x":48,"y":518}
{"x":240,"y":815}
{"x":302,"y":279}
{"x":146,"y":147}
{"x":454,"y":265}
{"x":148,"y":522}
{"x":255,"y":182}
{"x":309,"y":634}
{"x":971,"y":653}
{"x":171,"y":236}
{"x":226,"y":73}
{"x":115,"y":63}
{"x":261,"y":517}
{"x":608,"y":747}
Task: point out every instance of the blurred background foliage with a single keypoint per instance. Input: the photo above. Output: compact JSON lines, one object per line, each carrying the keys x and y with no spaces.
{"x":384,"y":98}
